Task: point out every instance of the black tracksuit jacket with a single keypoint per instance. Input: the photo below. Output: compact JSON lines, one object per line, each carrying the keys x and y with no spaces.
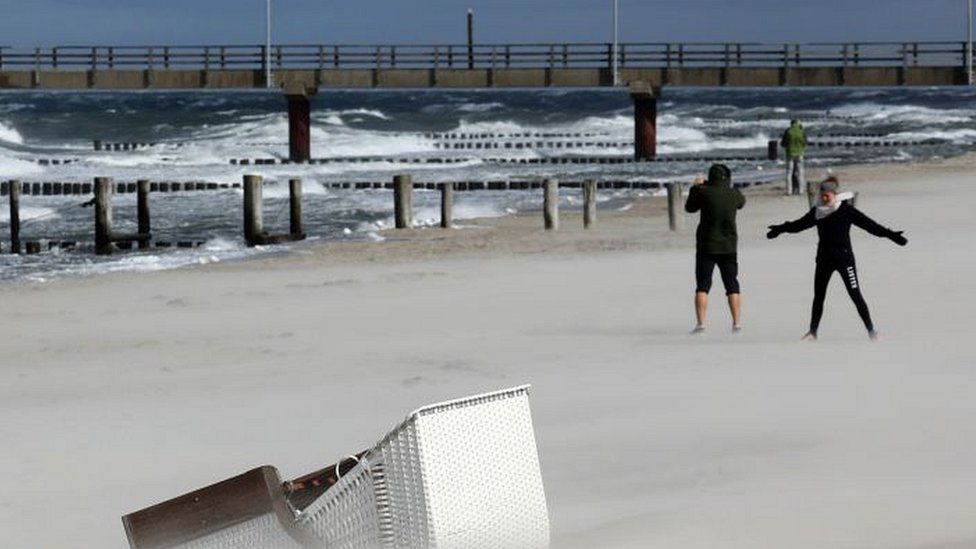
{"x":835,"y":232}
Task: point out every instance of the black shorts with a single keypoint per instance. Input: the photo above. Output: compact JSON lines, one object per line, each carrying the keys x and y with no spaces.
{"x":728,"y":266}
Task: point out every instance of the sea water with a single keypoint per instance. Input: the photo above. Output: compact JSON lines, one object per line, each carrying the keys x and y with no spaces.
{"x":196,"y":134}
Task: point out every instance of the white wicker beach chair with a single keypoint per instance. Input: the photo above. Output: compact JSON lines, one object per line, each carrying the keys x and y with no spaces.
{"x":461,"y":474}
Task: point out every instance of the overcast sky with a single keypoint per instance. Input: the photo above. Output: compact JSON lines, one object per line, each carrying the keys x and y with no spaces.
{"x":108,"y":22}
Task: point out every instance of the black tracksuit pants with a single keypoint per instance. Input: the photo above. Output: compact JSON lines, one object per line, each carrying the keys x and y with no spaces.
{"x":848,"y":273}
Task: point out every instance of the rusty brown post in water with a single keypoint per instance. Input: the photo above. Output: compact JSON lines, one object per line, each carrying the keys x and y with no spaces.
{"x":299,"y":122}
{"x":645,"y":120}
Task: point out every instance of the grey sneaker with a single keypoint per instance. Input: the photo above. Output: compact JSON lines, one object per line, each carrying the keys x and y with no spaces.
{"x":736,"y":330}
{"x":699,"y":330}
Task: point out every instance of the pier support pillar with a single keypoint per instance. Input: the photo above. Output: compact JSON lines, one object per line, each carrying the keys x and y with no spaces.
{"x":299,"y":122}
{"x":104,"y":188}
{"x":403,"y":201}
{"x":253,"y":216}
{"x":295,"y":205}
{"x":645,"y":120}
{"x":14,"y":193}
{"x":550,"y":204}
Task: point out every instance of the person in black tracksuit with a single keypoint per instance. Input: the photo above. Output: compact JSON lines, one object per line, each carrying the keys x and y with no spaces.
{"x":833,"y":217}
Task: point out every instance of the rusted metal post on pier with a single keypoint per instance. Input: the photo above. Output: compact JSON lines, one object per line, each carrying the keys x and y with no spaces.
{"x":403,"y":201}
{"x":299,"y":122}
{"x":645,"y":120}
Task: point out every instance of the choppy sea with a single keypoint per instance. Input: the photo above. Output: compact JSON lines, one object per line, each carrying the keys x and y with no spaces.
{"x":197,"y":133}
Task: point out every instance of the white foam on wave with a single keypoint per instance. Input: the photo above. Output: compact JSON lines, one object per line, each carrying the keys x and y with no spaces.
{"x":876,"y":112}
{"x":9,"y":134}
{"x":957,"y":136}
{"x":15,"y":167}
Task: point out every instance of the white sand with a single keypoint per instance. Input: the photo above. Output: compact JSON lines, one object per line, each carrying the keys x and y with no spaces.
{"x":121,"y":391}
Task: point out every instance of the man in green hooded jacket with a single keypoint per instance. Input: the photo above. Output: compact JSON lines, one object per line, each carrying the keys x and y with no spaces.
{"x":795,"y":144}
{"x":717,"y":240}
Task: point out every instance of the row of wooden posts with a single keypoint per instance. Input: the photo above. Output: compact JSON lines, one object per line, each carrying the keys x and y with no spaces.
{"x":403,"y":204}
{"x":106,"y":238}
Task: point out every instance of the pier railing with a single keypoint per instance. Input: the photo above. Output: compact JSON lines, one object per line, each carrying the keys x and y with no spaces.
{"x":488,"y":56}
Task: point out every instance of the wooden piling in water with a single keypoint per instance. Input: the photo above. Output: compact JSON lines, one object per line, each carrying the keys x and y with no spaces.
{"x":295,"y":204}
{"x":589,"y":204}
{"x":676,"y":216}
{"x":253,"y":217}
{"x":14,"y":195}
{"x":142,"y":204}
{"x":447,"y":205}
{"x":403,"y":201}
{"x":104,"y":188}
{"x":551,"y":204}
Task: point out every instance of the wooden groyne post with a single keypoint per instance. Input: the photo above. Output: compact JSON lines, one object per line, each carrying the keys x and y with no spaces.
{"x":447,"y":205}
{"x":15,"y":188}
{"x":550,"y":206}
{"x":676,"y":218}
{"x":253,"y":214}
{"x":645,"y":120}
{"x":254,"y":234}
{"x":772,"y":150}
{"x":103,"y":215}
{"x":589,"y":204}
{"x":299,"y":122}
{"x":295,"y":207}
{"x":142,"y":205}
{"x":403,"y":201}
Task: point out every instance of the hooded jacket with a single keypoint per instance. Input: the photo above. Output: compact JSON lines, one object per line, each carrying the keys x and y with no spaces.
{"x":718,"y":203}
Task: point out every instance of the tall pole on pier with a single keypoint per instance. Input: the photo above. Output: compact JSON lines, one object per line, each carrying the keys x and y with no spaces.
{"x":267,"y":45}
{"x":470,"y":38}
{"x":616,"y":42}
{"x":969,"y":45}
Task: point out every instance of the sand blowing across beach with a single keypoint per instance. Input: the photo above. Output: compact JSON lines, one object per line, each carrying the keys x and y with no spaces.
{"x":121,"y":391}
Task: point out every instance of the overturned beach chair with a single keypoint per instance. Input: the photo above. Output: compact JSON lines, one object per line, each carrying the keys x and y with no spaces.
{"x":459,"y":474}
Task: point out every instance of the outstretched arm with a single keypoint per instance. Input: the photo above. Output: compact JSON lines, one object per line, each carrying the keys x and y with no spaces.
{"x":858,"y":218}
{"x":796,"y":226}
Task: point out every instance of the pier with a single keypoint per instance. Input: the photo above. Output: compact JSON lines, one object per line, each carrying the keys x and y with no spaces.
{"x":538,"y":65}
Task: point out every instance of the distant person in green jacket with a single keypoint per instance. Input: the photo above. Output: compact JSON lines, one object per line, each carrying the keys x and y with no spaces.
{"x":795,"y":144}
{"x":717,"y":241}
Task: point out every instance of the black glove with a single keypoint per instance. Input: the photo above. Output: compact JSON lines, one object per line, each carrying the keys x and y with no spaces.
{"x":774,"y":231}
{"x":898,"y":237}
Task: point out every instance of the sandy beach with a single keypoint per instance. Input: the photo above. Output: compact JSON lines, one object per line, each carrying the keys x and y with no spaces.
{"x":123,"y":390}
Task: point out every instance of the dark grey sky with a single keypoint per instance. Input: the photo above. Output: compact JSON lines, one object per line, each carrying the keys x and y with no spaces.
{"x":50,"y":22}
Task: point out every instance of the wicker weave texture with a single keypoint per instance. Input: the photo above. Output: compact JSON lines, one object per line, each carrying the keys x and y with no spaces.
{"x":461,"y":474}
